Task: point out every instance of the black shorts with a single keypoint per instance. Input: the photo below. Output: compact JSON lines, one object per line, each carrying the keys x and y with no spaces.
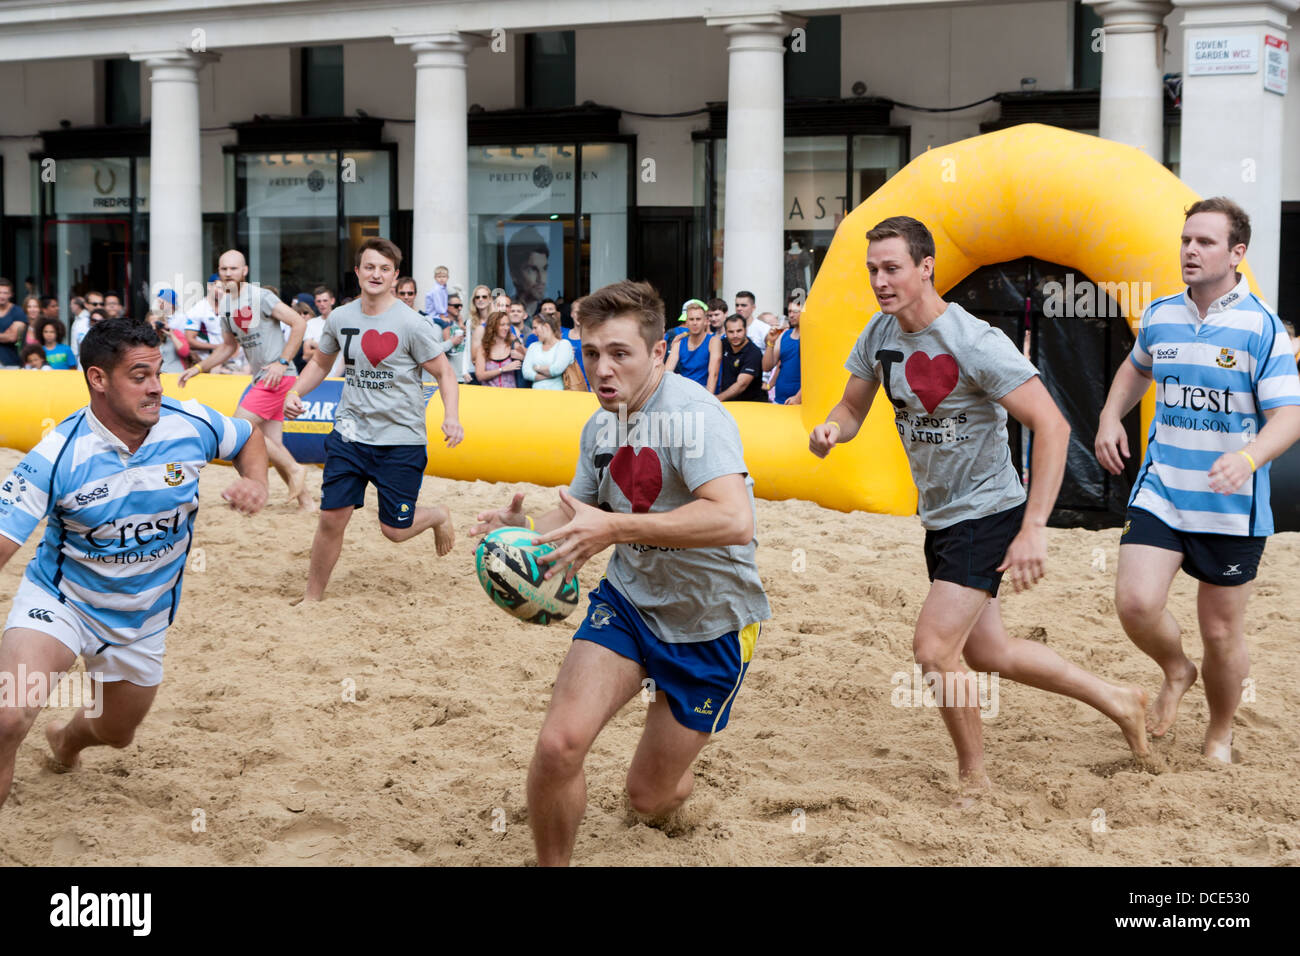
{"x":396,"y":471}
{"x":1222,"y":559}
{"x":969,"y":552}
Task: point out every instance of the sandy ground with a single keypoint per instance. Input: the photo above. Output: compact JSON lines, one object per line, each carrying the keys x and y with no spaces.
{"x":252,"y":756}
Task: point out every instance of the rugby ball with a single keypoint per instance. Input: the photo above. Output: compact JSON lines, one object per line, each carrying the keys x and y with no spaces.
{"x":509,"y":570}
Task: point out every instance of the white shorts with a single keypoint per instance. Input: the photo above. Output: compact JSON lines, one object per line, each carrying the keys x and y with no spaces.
{"x":139,"y":662}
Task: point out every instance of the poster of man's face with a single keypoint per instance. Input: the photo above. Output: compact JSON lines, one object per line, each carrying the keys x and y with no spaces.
{"x":533,"y":273}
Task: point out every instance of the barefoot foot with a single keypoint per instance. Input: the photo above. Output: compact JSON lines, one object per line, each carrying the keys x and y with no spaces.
{"x":1131,"y":715}
{"x":297,"y":484}
{"x":1165,"y":708}
{"x":444,"y":534}
{"x":1220,"y":750}
{"x":971,"y":789}
{"x":305,"y":599}
{"x":306,"y":503}
{"x":62,"y":760}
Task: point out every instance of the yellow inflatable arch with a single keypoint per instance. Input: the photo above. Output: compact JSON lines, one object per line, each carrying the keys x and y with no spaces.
{"x":1105,"y":209}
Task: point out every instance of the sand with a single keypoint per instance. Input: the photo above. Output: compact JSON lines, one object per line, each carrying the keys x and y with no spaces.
{"x":251,"y":754}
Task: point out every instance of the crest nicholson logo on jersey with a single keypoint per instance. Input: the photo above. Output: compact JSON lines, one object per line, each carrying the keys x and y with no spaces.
{"x":1227,"y":359}
{"x":173,"y":474}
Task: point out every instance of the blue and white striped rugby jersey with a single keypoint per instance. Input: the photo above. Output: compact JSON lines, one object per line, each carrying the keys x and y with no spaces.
{"x":119,"y":525}
{"x":1214,"y":378}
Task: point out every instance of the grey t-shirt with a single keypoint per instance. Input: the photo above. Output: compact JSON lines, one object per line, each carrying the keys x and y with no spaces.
{"x":681,"y":438}
{"x":248,"y":317}
{"x":944,"y":383}
{"x":383,"y":399}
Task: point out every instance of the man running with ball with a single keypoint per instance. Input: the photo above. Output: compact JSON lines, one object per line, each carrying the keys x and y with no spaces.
{"x":952,"y":379}
{"x":379,"y":432}
{"x":117,"y":484}
{"x":681,"y":599}
{"x":1227,"y":404}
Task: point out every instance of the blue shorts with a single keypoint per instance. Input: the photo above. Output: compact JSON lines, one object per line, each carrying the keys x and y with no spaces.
{"x":700,"y":679}
{"x":396,"y":471}
{"x":1225,"y":560}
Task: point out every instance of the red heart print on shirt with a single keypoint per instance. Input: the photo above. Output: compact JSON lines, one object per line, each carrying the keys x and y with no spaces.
{"x":378,"y":345}
{"x":931,"y":379}
{"x":244,"y":318}
{"x":638,"y":475}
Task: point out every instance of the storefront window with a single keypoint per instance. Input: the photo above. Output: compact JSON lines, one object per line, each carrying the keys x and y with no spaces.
{"x":815,"y":203}
{"x":825,"y":178}
{"x":366,"y":202}
{"x":86,"y":242}
{"x":527,"y":233}
{"x":289,"y":218}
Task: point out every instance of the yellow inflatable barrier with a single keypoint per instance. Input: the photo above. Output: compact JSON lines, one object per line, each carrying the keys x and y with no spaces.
{"x":1102,"y":208}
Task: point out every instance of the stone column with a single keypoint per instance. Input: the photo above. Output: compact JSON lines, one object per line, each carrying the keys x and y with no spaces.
{"x":1132,"y":66}
{"x":1232,"y":126}
{"x":754,"y":214}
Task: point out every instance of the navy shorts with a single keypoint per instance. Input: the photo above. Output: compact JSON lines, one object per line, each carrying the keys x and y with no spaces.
{"x":700,"y":679}
{"x":1223,"y":559}
{"x":969,"y":552}
{"x":396,"y":471}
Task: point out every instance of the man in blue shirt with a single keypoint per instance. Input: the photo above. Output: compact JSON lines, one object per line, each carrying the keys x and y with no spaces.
{"x":1227,"y":403}
{"x":117,"y":485}
{"x":13,"y":326}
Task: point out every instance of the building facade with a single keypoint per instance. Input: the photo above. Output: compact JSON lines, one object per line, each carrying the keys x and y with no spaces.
{"x":550,"y":147}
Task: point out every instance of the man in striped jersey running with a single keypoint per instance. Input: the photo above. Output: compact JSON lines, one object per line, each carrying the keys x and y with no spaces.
{"x":1221,"y":361}
{"x":117,"y":484}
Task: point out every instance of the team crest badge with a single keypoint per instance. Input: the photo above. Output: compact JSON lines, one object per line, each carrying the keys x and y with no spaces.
{"x":173,"y":474}
{"x":1227,"y":359}
{"x":1127,"y":525}
{"x":600,"y":615}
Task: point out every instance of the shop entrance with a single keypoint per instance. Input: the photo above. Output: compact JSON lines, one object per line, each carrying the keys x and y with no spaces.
{"x":83,"y":254}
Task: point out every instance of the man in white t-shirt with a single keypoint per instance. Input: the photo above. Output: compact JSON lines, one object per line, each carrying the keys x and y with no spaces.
{"x":311,"y":338}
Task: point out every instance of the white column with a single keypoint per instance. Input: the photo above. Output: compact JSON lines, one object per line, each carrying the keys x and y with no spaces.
{"x":754,"y":214}
{"x":1132,"y":66}
{"x":1232,"y":127}
{"x":175,"y":194}
{"x":440,"y":185}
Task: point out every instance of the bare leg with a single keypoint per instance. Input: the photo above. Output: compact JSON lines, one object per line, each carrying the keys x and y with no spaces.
{"x":293,"y":474}
{"x":593,"y":683}
{"x":124,"y":706}
{"x":949,"y":613}
{"x":992,"y":650}
{"x":325,"y":550}
{"x":660,"y":778}
{"x":438,"y":518}
{"x":23,"y":653}
{"x":1226,"y":664}
{"x":1143,"y":577}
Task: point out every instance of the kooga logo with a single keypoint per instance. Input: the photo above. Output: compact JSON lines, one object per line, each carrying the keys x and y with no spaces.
{"x":95,"y":495}
{"x":102,"y":909}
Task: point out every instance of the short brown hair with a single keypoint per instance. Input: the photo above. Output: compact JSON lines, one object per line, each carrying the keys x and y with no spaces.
{"x":1238,"y":221}
{"x":912,"y":231}
{"x":385,"y":247}
{"x":323,"y":290}
{"x":637,"y":299}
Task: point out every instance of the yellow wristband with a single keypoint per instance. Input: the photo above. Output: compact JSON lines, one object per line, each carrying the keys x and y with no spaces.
{"x":835,"y":425}
{"x":531,"y":525}
{"x":1248,"y":458}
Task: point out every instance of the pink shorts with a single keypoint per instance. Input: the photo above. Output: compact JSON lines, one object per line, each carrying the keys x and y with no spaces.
{"x":268,"y":403}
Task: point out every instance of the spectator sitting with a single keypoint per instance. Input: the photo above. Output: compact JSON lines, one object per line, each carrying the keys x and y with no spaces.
{"x":495,"y":363}
{"x":717,"y":314}
{"x":781,"y":357}
{"x":57,"y":354}
{"x":671,"y":334}
{"x":34,"y":357}
{"x":549,"y":356}
{"x":698,"y":354}
{"x":740,"y":377}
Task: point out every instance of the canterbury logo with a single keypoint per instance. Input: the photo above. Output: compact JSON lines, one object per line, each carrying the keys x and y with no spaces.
{"x":40,"y":614}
